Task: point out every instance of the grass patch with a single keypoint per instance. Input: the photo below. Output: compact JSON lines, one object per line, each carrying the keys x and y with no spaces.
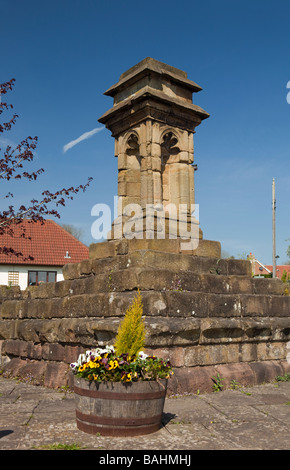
{"x":283,"y":378}
{"x":59,"y":446}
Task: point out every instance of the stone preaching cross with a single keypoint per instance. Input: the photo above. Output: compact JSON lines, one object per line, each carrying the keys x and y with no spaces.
{"x":153,"y":120}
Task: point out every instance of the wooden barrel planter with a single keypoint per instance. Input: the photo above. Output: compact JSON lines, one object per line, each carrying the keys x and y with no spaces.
{"x":119,"y":409}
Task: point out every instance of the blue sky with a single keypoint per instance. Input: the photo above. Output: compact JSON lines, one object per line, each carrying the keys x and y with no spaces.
{"x":64,"y":54}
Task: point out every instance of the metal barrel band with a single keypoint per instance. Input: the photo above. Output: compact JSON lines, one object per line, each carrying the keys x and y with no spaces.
{"x":119,"y":396}
{"x":108,"y":420}
{"x":116,"y":431}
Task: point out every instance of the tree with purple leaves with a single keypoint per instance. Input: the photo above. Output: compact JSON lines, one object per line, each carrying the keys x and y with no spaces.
{"x":13,"y":165}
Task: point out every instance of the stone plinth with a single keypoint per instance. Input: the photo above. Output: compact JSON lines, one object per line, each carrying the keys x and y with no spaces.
{"x":187,"y":247}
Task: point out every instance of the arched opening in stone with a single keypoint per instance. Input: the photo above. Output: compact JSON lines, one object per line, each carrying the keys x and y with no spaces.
{"x":168,"y":150}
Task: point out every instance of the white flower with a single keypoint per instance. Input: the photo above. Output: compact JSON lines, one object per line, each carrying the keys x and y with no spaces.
{"x":89,"y":354}
{"x":85,"y":357}
{"x":106,"y":350}
{"x":81,"y":359}
{"x":142,"y":355}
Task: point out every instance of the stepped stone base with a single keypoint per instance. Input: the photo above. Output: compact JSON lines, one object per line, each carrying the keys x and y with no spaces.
{"x":195,"y":247}
{"x":204,"y":313}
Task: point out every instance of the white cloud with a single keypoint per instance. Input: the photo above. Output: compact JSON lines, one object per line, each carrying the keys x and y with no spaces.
{"x":84,"y":136}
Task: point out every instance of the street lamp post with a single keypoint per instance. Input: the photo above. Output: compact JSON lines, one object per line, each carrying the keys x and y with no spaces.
{"x":274,"y":228}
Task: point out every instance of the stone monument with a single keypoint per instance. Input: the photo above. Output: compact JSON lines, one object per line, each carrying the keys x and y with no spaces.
{"x":206,"y":314}
{"x":153,"y":120}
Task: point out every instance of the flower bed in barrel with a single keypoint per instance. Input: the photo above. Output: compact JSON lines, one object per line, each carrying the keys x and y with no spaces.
{"x":120,"y":390}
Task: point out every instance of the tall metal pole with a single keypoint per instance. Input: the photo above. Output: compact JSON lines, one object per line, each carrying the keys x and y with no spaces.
{"x":274,"y":228}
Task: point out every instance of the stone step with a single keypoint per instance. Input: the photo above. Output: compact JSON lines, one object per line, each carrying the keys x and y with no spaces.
{"x":175,"y":262}
{"x":153,"y":279}
{"x":160,"y":332}
{"x":180,"y":304}
{"x":161,"y":281}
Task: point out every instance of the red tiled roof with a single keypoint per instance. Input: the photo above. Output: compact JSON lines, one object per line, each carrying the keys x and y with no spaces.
{"x":47,"y":243}
{"x":279,"y":269}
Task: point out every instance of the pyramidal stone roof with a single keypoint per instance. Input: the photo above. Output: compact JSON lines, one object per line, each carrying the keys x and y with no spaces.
{"x":148,"y":66}
{"x":152,"y":90}
{"x":44,"y":244}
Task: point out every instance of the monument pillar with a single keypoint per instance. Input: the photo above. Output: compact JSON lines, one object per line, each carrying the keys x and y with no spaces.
{"x":153,"y":120}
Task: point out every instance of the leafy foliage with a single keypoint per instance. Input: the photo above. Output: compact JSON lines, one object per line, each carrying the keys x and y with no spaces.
{"x":103,"y":365}
{"x":131,"y":333}
{"x":12,"y":163}
{"x":125,"y":361}
{"x":283,"y":378}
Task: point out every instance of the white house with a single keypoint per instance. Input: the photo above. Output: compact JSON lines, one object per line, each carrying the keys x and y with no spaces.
{"x":45,"y":249}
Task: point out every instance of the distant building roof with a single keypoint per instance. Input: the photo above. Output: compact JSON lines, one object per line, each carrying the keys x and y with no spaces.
{"x":260,"y":269}
{"x":46,"y":243}
{"x":280,"y":269}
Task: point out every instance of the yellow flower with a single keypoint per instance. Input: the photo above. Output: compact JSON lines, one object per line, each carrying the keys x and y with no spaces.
{"x":127,"y":377}
{"x":93,"y":365}
{"x":113,"y":365}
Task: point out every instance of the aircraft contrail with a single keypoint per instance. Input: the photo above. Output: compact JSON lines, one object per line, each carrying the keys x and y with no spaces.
{"x":84,"y":136}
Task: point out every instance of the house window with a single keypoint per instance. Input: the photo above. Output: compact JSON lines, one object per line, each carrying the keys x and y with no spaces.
{"x":13,"y":278}
{"x":39,"y":277}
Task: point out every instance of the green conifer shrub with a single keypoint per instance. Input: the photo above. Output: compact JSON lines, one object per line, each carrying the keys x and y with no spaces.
{"x":130,"y":338}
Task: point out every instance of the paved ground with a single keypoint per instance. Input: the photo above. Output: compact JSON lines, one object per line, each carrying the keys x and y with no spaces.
{"x":254,"y":418}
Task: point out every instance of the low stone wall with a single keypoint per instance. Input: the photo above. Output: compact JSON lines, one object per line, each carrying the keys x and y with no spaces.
{"x":205,"y":314}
